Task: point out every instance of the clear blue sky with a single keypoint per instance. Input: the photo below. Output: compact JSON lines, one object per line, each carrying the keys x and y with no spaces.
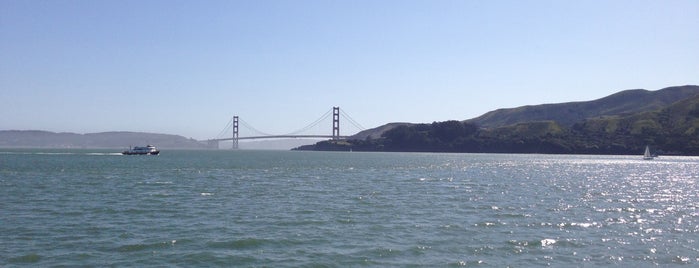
{"x":186,"y":67}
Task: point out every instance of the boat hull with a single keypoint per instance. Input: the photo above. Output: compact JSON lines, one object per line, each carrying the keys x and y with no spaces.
{"x":147,"y":150}
{"x":140,"y":153}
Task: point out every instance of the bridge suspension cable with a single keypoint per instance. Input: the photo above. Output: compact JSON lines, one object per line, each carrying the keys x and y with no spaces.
{"x":225,"y":129}
{"x":248,"y":126}
{"x":352,"y":121}
{"x":313,"y":124}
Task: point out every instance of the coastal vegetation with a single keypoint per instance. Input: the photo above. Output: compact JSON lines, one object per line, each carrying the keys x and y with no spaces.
{"x":623,"y":123}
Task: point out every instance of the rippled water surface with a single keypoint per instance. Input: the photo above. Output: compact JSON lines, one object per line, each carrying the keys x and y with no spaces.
{"x":268,"y":208}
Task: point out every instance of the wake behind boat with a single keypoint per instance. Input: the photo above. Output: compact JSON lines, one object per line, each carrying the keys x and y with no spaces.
{"x":148,"y":150}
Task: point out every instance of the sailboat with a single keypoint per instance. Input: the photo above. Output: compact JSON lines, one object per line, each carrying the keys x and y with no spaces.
{"x":647,"y":155}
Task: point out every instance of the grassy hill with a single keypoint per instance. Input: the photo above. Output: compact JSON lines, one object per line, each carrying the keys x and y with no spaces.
{"x":622,"y":123}
{"x":567,"y":114}
{"x":673,"y":129}
{"x":376,"y":133}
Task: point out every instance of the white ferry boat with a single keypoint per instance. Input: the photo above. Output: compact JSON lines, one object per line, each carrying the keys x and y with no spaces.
{"x":148,"y":150}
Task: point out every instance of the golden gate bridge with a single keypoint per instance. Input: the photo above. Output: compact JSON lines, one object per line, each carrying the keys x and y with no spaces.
{"x":234,"y":127}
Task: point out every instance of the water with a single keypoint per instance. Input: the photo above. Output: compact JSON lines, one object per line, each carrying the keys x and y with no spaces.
{"x":266,"y":208}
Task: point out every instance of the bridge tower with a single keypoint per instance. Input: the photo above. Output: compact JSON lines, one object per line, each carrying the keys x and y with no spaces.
{"x":235,"y":132}
{"x":336,"y":123}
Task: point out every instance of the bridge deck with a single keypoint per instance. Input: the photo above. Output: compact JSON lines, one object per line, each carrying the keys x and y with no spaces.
{"x":278,"y":137}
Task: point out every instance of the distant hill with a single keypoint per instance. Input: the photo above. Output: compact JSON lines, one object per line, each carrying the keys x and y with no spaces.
{"x":622,"y":123}
{"x":567,"y":114}
{"x":375,"y":133}
{"x":46,"y":139}
{"x":672,"y":130}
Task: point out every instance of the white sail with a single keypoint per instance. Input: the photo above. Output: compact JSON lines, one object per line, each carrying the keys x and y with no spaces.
{"x":646,"y":154}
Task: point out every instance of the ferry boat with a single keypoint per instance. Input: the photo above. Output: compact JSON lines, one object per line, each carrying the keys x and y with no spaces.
{"x":148,"y":150}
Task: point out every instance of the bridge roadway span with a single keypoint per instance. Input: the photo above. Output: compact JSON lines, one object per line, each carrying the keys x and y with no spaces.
{"x":279,"y":137}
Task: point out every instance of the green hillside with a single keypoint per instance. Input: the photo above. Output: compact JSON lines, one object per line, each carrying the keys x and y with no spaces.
{"x":624,"y":102}
{"x":668,"y":121}
{"x":673,"y":129}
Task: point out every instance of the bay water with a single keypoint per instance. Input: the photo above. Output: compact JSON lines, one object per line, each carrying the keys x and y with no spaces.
{"x":337,"y":209}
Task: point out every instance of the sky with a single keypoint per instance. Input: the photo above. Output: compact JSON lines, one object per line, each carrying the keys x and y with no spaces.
{"x":187,"y":67}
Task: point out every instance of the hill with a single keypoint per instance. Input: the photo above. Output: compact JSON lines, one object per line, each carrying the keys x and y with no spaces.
{"x":672,"y":130}
{"x":376,"y":133}
{"x":46,"y":139}
{"x":622,"y":123}
{"x":567,"y":114}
